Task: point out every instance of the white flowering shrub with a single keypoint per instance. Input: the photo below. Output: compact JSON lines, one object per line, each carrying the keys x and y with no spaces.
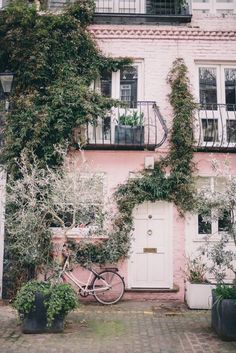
{"x":220,"y":206}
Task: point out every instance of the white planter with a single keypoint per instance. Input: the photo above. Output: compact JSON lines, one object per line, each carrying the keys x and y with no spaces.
{"x":198,"y":295}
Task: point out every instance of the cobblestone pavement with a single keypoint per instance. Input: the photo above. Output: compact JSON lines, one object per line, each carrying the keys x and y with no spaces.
{"x":130,"y":327}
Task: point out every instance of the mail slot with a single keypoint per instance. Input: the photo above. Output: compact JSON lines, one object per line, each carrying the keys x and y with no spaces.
{"x":150,"y":250}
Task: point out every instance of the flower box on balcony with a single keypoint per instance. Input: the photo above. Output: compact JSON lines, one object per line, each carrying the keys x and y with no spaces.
{"x":129,"y":135}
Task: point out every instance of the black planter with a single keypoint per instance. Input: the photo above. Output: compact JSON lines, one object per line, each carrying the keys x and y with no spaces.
{"x":223,"y":318}
{"x":129,"y":135}
{"x":36,"y":321}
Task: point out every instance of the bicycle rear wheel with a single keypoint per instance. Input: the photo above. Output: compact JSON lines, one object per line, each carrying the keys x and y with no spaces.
{"x":114,"y":292}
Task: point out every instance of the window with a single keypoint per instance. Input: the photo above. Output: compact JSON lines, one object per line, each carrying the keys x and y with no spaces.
{"x":217,"y":85}
{"x":129,"y":85}
{"x":209,"y":223}
{"x":230,"y":88}
{"x":207,"y":85}
{"x":106,"y":83}
{"x":123,"y":85}
{"x":217,"y":97}
{"x":210,"y":130}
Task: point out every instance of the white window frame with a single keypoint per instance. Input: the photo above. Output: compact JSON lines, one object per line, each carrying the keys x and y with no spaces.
{"x":214,"y":235}
{"x":115,"y":94}
{"x":221,"y":100}
{"x":214,"y":7}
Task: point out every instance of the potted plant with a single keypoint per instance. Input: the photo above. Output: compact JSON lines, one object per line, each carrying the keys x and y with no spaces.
{"x":198,"y":288}
{"x":223,"y":314}
{"x":130,"y":129}
{"x":42,"y":306}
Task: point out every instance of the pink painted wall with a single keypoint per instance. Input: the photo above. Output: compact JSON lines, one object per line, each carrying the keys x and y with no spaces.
{"x":206,"y":39}
{"x":117,"y":165}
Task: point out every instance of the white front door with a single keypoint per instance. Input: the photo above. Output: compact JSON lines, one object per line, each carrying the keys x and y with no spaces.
{"x":150,"y":263}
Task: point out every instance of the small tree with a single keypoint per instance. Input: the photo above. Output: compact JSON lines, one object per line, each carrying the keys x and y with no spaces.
{"x":220,"y":205}
{"x":69,"y":197}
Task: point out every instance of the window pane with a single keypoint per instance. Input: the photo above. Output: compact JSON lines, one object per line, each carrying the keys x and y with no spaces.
{"x":224,"y":222}
{"x":231,"y":130}
{"x":106,"y":84}
{"x":129,"y":85}
{"x":104,"y":5}
{"x":127,"y":6}
{"x":230,"y":88}
{"x":207,"y":86}
{"x":210,"y":130}
{"x":203,"y":227}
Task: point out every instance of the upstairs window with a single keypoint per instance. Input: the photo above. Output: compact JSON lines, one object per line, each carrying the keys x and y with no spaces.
{"x":105,"y":82}
{"x":129,"y":85}
{"x":208,"y":87}
{"x":230,"y":87}
{"x":217,"y":84}
{"x":217,"y":97}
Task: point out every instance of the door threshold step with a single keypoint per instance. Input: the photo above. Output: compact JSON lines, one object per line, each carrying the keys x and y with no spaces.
{"x":175,"y":289}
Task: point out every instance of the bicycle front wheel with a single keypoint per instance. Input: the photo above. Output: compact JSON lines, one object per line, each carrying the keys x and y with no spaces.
{"x":109,"y":287}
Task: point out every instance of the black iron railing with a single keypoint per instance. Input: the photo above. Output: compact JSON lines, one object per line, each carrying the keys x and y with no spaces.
{"x":2,"y":121}
{"x":216,"y":127}
{"x":128,"y":128}
{"x":141,"y":11}
{"x":149,"y":7}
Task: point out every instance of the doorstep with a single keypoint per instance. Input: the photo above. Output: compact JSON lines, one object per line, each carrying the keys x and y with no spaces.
{"x":175,"y":289}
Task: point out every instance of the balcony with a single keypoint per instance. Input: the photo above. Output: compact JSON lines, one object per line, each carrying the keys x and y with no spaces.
{"x":140,"y":11}
{"x":216,"y":127}
{"x":133,"y":128}
{"x":2,"y":122}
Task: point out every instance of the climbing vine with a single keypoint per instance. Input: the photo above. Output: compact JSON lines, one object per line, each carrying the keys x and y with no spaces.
{"x":54,"y":59}
{"x":154,"y":185}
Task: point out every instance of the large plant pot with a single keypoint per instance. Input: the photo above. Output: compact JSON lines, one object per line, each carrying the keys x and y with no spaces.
{"x":129,"y":135}
{"x":36,"y":320}
{"x":223,"y":318}
{"x":199,"y":295}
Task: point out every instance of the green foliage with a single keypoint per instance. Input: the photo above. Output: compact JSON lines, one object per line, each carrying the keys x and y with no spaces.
{"x":196,"y":270}
{"x":225,"y":292}
{"x":54,"y":59}
{"x":154,"y":185}
{"x":60,"y":299}
{"x":134,"y":119}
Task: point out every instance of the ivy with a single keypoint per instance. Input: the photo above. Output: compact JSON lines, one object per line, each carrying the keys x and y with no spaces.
{"x":154,"y":185}
{"x":54,"y":58}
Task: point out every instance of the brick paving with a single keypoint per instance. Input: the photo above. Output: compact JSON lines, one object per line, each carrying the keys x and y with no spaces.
{"x":129,"y":327}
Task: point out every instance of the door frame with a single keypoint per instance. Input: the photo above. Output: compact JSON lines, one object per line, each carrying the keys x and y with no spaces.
{"x":169,"y":246}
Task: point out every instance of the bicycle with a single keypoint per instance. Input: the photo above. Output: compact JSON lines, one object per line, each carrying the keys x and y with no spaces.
{"x":106,"y":286}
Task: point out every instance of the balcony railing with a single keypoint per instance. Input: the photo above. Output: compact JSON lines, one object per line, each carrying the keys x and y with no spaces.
{"x":141,"y":11}
{"x":137,"y":128}
{"x":216,"y":127}
{"x":2,"y":121}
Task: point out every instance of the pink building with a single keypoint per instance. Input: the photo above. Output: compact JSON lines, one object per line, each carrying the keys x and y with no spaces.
{"x":155,"y":33}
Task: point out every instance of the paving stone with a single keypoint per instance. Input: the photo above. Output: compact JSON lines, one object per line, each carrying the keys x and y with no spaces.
{"x":140,"y":327}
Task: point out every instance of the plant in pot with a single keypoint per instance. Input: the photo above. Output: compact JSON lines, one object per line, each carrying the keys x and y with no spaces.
{"x":220,"y":250}
{"x":130,"y":129}
{"x":43,"y":306}
{"x":198,"y":288}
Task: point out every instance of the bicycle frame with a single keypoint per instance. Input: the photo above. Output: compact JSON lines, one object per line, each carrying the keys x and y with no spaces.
{"x":83,"y":287}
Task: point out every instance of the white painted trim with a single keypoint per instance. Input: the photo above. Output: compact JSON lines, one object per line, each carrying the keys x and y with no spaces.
{"x":169,"y":247}
{"x":2,"y":224}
